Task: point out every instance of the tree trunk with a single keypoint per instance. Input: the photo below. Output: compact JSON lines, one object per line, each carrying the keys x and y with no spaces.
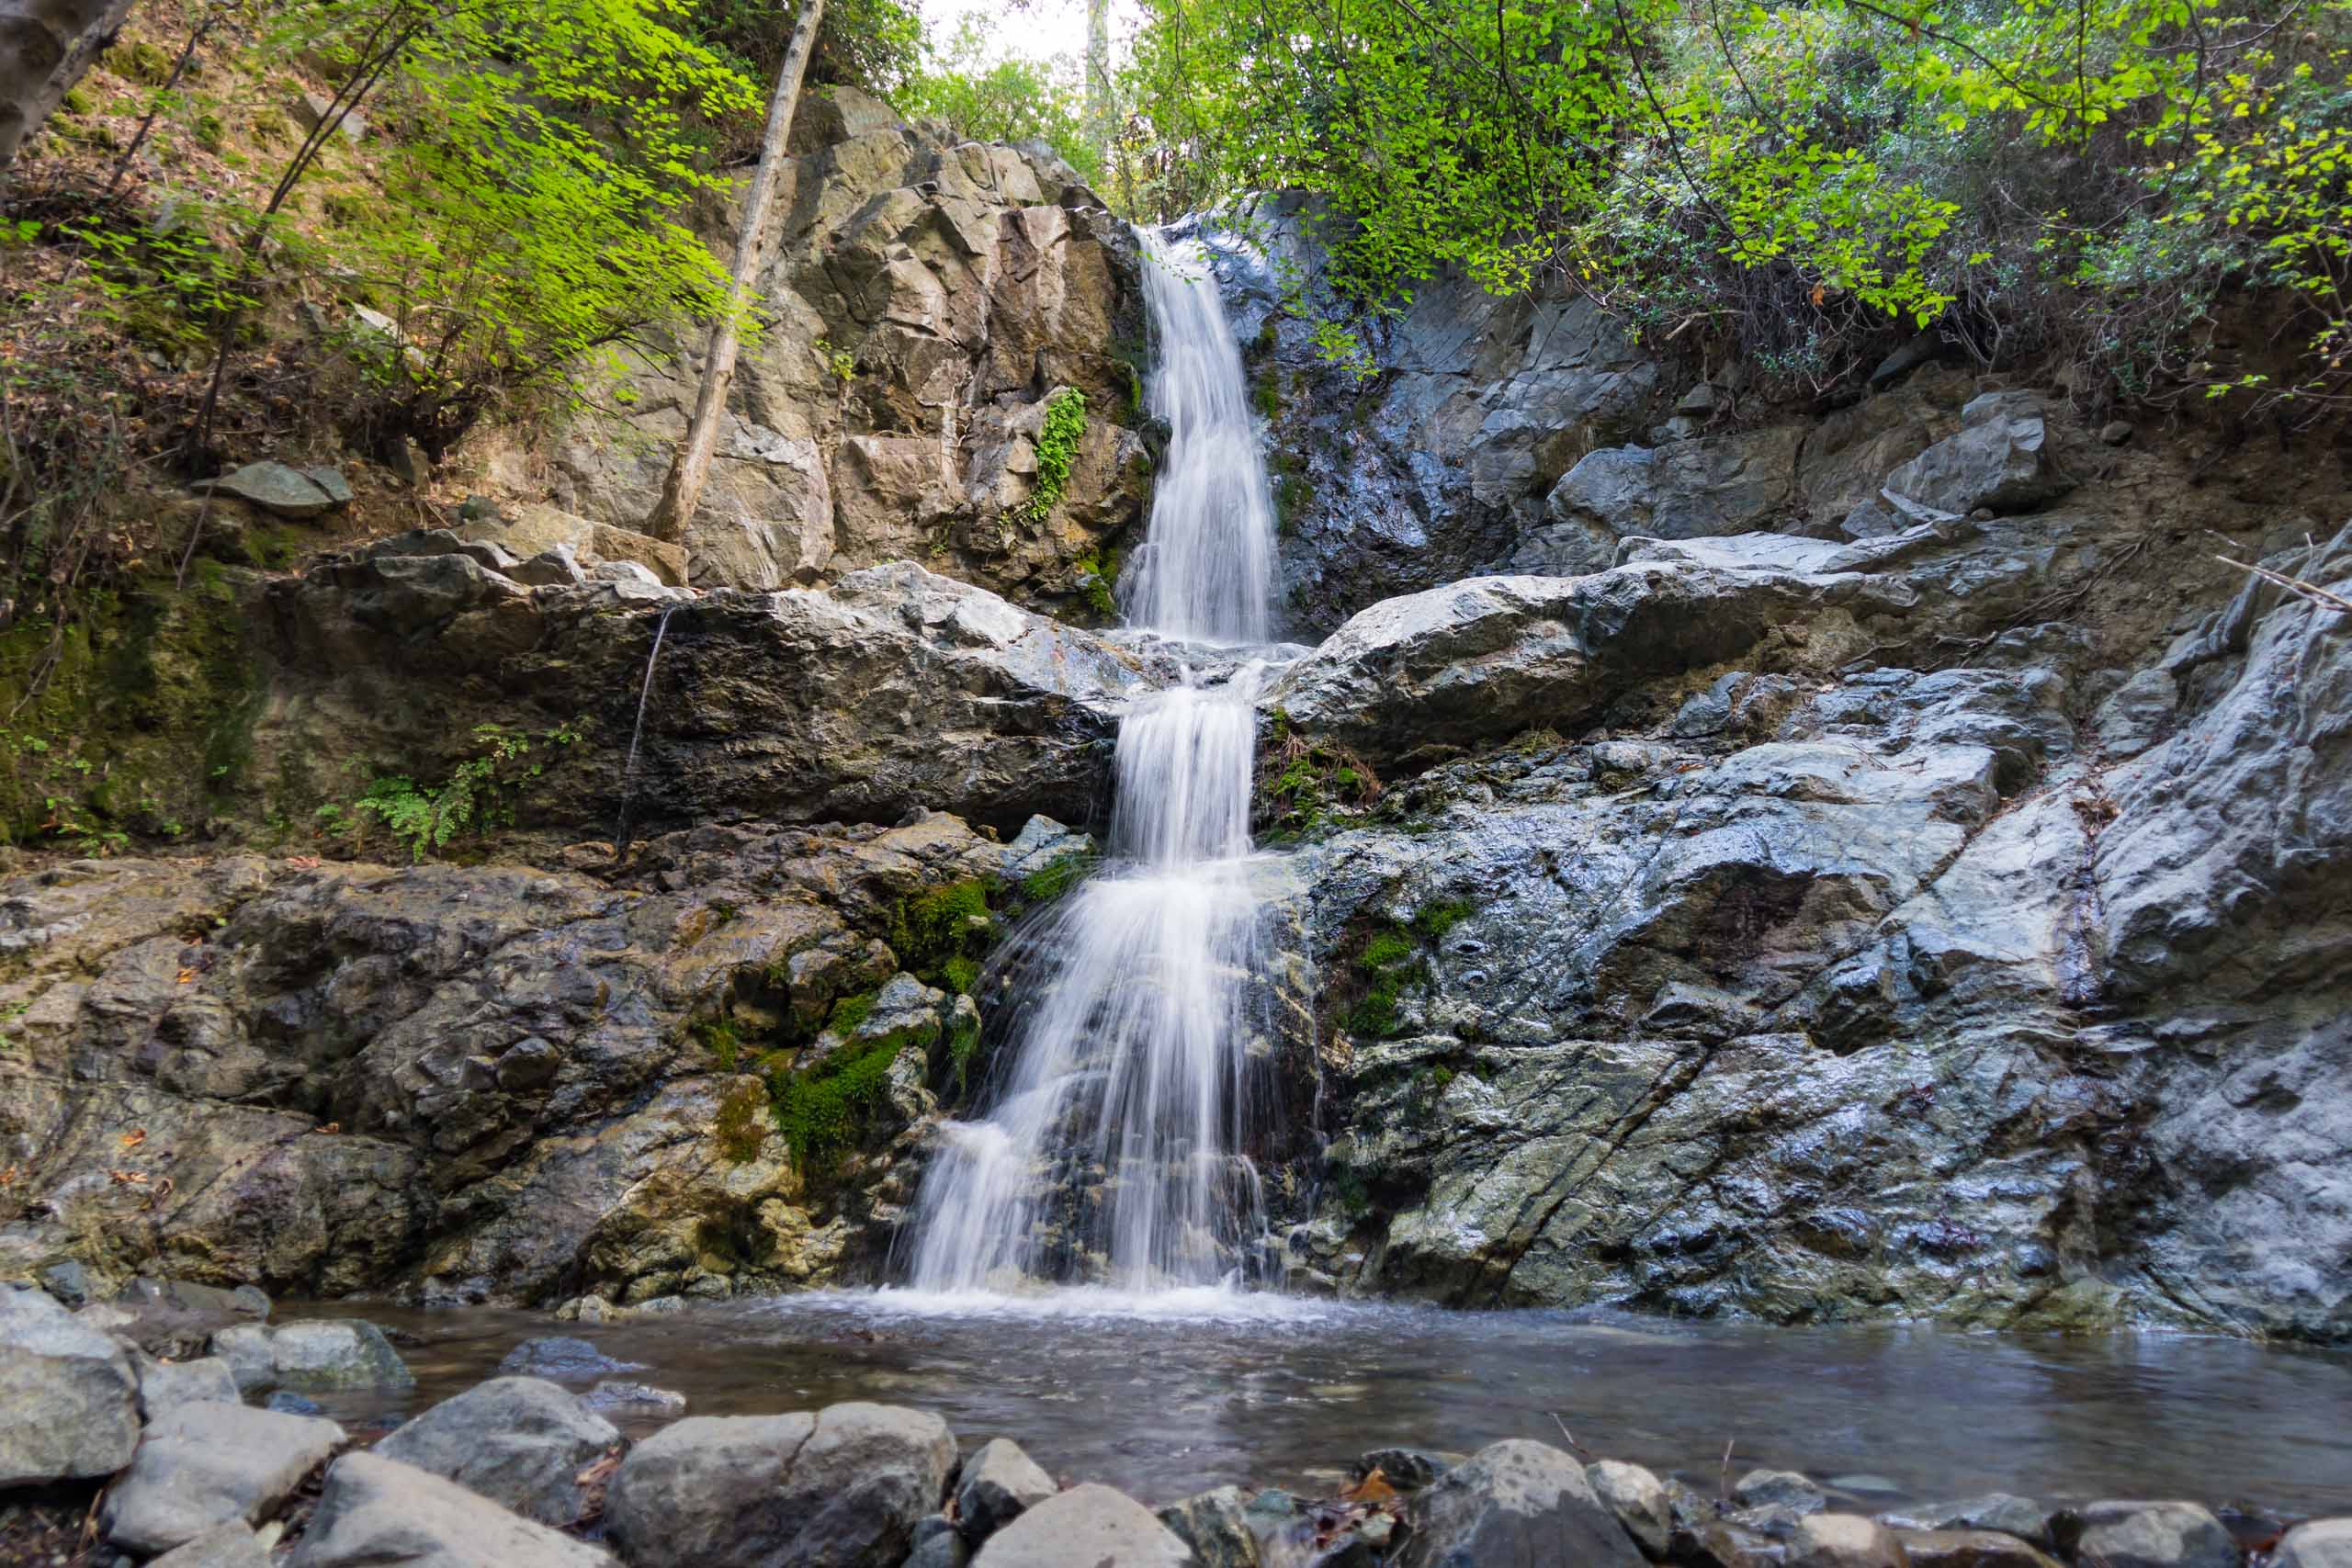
{"x":45,"y":45}
{"x":682,"y":491}
{"x":1098,"y":78}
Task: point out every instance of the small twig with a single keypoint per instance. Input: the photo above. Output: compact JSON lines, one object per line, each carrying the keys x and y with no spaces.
{"x":1574,"y":1447}
{"x":1722,"y":1481}
{"x":2310,"y":590}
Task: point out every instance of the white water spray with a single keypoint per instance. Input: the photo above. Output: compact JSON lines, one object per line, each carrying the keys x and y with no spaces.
{"x":1115,"y":1149}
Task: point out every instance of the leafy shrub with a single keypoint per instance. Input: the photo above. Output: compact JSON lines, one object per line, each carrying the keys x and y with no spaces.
{"x":480,"y":793}
{"x":1064,"y":428}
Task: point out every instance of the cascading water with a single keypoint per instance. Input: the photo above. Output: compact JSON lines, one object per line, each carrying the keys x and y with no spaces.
{"x":1115,"y":1149}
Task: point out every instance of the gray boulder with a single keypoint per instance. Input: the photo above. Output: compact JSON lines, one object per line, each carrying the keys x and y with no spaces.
{"x":286,"y":490}
{"x":1971,"y":1548}
{"x":311,"y":1353}
{"x":164,"y":1386}
{"x":1640,"y":1501}
{"x":379,"y":1513}
{"x":1216,"y":1525}
{"x":634,"y":1398}
{"x":937,"y":1544}
{"x":521,"y":1442}
{"x":206,"y":1465}
{"x":1515,"y":1502}
{"x":232,"y":1545}
{"x":996,"y":1484}
{"x":2003,"y":1511}
{"x":2322,"y":1543}
{"x":1778,"y":1489}
{"x":68,"y":1398}
{"x":1999,"y":460}
{"x":844,"y":1487}
{"x":2155,"y":1535}
{"x":1684,"y":490}
{"x":1843,"y":1541}
{"x":1085,"y":1526}
{"x":560,"y":1356}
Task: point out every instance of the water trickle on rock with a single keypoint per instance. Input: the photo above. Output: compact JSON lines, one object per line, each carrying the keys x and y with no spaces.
{"x":1114,"y":1148}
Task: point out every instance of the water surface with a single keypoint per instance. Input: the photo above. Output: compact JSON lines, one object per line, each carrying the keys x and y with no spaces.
{"x":1166,"y":1395}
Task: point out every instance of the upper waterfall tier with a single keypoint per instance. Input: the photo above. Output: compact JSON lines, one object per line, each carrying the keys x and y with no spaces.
{"x":1207,"y":567}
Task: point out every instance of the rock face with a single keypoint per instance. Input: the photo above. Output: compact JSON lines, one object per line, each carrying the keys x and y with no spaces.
{"x":68,"y":1398}
{"x":377,"y":1511}
{"x":843,"y":1487}
{"x":926,"y":300}
{"x":1085,"y":1526}
{"x":1515,"y":1502}
{"x":1823,"y":977}
{"x":521,"y":1442}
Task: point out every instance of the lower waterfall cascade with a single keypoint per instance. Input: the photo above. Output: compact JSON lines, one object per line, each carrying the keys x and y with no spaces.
{"x":1113,"y":1151}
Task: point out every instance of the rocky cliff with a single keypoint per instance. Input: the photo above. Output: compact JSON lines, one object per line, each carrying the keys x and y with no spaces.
{"x":1800,"y":862}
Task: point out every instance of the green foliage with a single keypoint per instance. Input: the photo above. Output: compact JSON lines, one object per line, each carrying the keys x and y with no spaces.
{"x":736,"y":1129}
{"x":718,"y":1037}
{"x":480,"y":793}
{"x":1057,"y":440}
{"x":1056,"y":877}
{"x":963,"y":1049}
{"x":930,"y":928}
{"x":1299,"y":780}
{"x":1393,"y":958}
{"x":962,"y":975}
{"x":850,"y":1012}
{"x":1098,"y":579}
{"x":989,"y":97}
{"x":1801,"y":178}
{"x":872,"y":44}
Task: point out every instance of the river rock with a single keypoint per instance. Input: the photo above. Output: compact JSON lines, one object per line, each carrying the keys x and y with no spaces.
{"x":1971,"y":1548}
{"x":231,"y":1545}
{"x":521,"y":1442}
{"x":377,"y":1511}
{"x":314,"y":1353}
{"x":68,"y":1396}
{"x":560,"y":1356}
{"x":2321,"y":1543}
{"x":996,"y":1484}
{"x":843,"y":1487}
{"x":1511,"y":1502}
{"x":2011,"y":1515}
{"x":164,"y":1386}
{"x":1843,"y":1541}
{"x":207,"y":1464}
{"x":1408,"y":1470}
{"x":1640,"y":1501}
{"x":1999,"y":460}
{"x":937,"y":1543}
{"x":1779,"y":1489}
{"x":286,"y":490}
{"x":634,"y":1399}
{"x":2153,"y":1535}
{"x":1087,"y":1527}
{"x":1216,"y":1525}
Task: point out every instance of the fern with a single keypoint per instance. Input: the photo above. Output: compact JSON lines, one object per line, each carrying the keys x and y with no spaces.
{"x":1057,"y":450}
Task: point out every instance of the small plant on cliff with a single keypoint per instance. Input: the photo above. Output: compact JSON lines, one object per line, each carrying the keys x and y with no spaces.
{"x":1097,"y":573}
{"x":1057,"y":450}
{"x":479,"y":793}
{"x":822,"y":1111}
{"x":931,"y":930}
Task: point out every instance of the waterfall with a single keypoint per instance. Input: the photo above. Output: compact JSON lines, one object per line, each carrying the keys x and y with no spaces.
{"x":1114,"y":1150}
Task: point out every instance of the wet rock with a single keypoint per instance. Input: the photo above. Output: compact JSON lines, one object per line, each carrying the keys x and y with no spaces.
{"x":1408,"y":1470}
{"x":2011,"y":1515}
{"x":164,"y":1386}
{"x":1724,"y":1544}
{"x":1515,"y":1501}
{"x":560,"y":1356}
{"x":937,"y":1544}
{"x":1999,"y":460}
{"x":634,"y":1399}
{"x":1843,"y":1541}
{"x":1087,"y":1527}
{"x":69,"y":1282}
{"x":2322,"y":1543}
{"x":316,"y":1353}
{"x":1639,"y":1500}
{"x":377,"y":1511}
{"x":286,"y":490}
{"x":1216,"y":1526}
{"x":1779,"y":1489}
{"x":519,"y":1441}
{"x":231,"y":1545}
{"x":206,"y":1465}
{"x":844,"y":1486}
{"x":2152,"y":1535}
{"x":68,"y":1397}
{"x":1971,"y":1548}
{"x":995,"y":1485}
{"x":285,"y":1402}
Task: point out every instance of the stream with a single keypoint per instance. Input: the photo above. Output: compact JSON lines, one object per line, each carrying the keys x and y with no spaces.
{"x":1172,"y":1394}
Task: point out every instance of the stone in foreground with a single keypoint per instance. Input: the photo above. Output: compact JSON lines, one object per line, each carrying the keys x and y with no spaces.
{"x":2322,"y":1543}
{"x":232,"y":1545}
{"x":1843,"y":1541}
{"x":1216,"y":1525}
{"x":166,"y":1386}
{"x":1779,"y":1489}
{"x":2155,"y":1535}
{"x":1971,"y":1548}
{"x":206,"y":1465}
{"x":843,"y":1488}
{"x":379,"y":1513}
{"x":1640,"y":1501}
{"x":2003,"y":1511}
{"x":1085,"y":1526}
{"x":1516,"y":1501}
{"x":521,"y":1442}
{"x":997,"y":1485}
{"x":68,"y":1399}
{"x":312,"y":1353}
